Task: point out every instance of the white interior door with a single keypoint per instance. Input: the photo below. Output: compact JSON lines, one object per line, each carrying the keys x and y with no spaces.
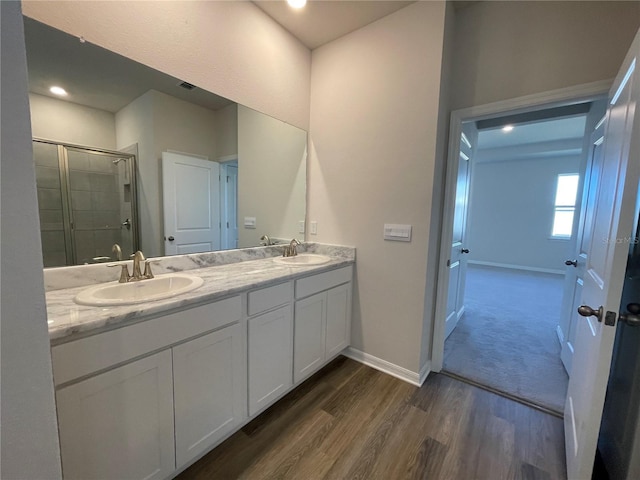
{"x":574,"y":277}
{"x":191,"y":198}
{"x":229,"y":186}
{"x":457,"y":263}
{"x":613,"y":212}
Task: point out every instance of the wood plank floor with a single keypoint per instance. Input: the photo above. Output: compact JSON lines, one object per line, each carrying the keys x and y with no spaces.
{"x":350,"y":421}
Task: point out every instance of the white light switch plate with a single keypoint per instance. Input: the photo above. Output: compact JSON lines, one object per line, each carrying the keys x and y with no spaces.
{"x":249,"y":222}
{"x":397,"y":233}
{"x":314,"y":228}
{"x":301,"y":226}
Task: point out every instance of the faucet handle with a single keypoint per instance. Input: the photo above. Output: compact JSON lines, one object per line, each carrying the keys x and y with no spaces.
{"x":124,"y":273}
{"x":147,"y":270}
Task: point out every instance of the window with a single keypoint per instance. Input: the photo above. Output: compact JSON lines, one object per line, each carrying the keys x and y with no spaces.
{"x":565,"y":205}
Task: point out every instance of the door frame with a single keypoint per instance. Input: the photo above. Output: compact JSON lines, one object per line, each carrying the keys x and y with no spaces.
{"x":539,"y":101}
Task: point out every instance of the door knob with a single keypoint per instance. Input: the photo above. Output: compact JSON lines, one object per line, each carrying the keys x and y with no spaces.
{"x":632,"y":317}
{"x":587,"y":311}
{"x":571,"y":262}
{"x":464,"y":250}
{"x":171,"y":239}
{"x":127,"y":224}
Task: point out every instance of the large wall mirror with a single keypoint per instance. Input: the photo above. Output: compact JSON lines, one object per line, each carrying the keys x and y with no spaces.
{"x":134,"y":157}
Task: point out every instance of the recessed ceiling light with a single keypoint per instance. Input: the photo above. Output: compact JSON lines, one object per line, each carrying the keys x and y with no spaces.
{"x":507,"y":128}
{"x":58,"y":91}
{"x":297,"y":3}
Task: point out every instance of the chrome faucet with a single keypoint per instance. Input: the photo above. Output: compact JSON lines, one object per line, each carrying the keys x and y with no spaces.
{"x":266,"y":241}
{"x":290,"y":250}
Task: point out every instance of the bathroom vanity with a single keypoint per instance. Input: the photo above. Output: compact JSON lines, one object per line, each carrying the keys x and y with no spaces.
{"x":145,"y":390}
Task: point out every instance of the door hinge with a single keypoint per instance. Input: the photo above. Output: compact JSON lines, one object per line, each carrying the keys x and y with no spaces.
{"x":227,"y":178}
{"x":449,"y":263}
{"x":227,"y":224}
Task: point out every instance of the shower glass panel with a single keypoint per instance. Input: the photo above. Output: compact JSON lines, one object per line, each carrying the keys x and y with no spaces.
{"x":96,"y":192}
{"x":52,"y":226}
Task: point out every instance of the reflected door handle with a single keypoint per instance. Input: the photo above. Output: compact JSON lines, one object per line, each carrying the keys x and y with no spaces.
{"x":587,"y":311}
{"x":571,"y":262}
{"x":464,"y":250}
{"x":632,"y":316}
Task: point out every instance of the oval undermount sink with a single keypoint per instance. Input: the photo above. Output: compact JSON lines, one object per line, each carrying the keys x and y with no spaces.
{"x":158,"y":288}
{"x":303,"y":259}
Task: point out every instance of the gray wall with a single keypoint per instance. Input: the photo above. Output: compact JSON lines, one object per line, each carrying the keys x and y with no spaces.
{"x":506,"y":49}
{"x":66,"y":122}
{"x":375,"y":101}
{"x":271,"y":176}
{"x":511,"y":210}
{"x":29,"y":439}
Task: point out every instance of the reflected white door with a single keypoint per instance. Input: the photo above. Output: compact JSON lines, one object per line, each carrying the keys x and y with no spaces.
{"x":458,"y":259}
{"x":574,"y":277}
{"x":613,"y":212}
{"x":191,"y":198}
{"x":229,"y":186}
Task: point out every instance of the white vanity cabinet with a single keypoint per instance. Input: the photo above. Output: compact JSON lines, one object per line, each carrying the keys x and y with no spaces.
{"x":322,"y":327}
{"x":119,"y":424}
{"x":209,"y":391}
{"x":270,"y":345}
{"x":120,"y":391}
{"x":145,"y":400}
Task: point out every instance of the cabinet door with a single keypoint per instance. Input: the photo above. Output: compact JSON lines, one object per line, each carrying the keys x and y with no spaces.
{"x":309,"y":333}
{"x":119,"y":424}
{"x":209,"y":397}
{"x":338,"y":334}
{"x":270,"y":345}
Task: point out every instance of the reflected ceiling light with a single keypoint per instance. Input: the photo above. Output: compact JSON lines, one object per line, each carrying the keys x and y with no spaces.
{"x":58,"y":91}
{"x":297,"y":3}
{"x":507,"y":128}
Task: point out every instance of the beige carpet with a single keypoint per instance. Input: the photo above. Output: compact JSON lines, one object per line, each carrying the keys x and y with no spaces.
{"x":507,"y":337}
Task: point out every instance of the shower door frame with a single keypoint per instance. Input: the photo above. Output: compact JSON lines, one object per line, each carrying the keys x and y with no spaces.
{"x":67,"y":213}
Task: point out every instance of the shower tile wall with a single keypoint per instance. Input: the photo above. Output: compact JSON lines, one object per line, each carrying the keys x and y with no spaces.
{"x":95,"y":203}
{"x":50,"y":204}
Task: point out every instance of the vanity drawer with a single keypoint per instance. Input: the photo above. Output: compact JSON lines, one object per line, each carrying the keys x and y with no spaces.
{"x":323,"y":281}
{"x":268,"y":298}
{"x":91,"y":354}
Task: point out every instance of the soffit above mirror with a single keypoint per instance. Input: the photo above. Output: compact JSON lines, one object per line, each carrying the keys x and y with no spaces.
{"x":84,"y":69}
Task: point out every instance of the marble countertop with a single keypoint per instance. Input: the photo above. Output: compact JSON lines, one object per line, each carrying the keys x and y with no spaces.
{"x":69,"y":321}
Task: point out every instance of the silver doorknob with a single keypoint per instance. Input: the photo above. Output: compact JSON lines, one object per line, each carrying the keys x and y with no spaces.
{"x":632,"y":317}
{"x":571,"y":262}
{"x":587,"y":311}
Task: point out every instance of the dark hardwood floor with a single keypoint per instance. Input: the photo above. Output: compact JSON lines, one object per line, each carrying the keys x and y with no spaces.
{"x":350,"y":421}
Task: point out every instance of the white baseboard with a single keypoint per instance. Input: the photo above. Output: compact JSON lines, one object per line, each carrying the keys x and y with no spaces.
{"x":515,"y":267}
{"x":389,"y":368}
{"x":560,"y":334}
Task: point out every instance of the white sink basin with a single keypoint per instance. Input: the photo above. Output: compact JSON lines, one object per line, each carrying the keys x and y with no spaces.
{"x":303,"y":259}
{"x":158,"y":288}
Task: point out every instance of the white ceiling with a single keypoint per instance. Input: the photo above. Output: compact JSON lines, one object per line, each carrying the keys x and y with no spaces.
{"x":322,"y":21}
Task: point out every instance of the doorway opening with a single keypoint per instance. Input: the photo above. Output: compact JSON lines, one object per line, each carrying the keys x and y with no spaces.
{"x":518,"y":190}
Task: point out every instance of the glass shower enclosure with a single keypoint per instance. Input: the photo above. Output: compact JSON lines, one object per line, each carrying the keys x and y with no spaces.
{"x":87,"y":203}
